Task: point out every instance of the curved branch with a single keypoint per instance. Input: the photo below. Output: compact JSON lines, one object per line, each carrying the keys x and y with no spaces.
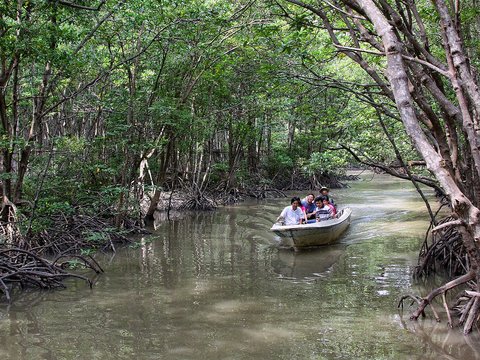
{"x":389,"y":170}
{"x":447,"y":224}
{"x":441,"y":290}
{"x":81,"y":7}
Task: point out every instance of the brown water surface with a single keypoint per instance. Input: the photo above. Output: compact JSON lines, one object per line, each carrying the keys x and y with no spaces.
{"x":214,"y":286}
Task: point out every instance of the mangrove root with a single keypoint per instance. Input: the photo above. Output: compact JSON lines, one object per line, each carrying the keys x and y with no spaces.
{"x":70,"y":234}
{"x":445,"y":251}
{"x":22,"y":268}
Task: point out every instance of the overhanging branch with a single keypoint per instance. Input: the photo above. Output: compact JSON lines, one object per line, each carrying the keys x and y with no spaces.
{"x":389,"y":170}
{"x":81,"y":7}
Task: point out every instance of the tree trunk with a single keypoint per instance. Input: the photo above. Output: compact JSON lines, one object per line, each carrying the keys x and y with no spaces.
{"x":466,"y":212}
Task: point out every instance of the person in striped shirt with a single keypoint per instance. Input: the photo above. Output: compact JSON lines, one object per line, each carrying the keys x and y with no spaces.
{"x":322,"y":211}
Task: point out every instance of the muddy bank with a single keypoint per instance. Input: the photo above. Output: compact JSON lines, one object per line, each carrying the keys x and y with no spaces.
{"x":186,"y":199}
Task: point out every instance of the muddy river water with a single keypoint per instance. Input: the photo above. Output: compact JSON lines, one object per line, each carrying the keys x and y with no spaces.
{"x":214,"y":286}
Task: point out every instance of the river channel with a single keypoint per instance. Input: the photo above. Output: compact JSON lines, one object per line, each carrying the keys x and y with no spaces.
{"x":213,"y":285}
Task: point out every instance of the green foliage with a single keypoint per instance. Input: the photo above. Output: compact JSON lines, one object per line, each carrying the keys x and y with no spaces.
{"x":326,"y":162}
{"x":87,"y":251}
{"x":95,"y":237}
{"x":219,"y":172}
{"x":189,"y":86}
{"x":280,"y":161}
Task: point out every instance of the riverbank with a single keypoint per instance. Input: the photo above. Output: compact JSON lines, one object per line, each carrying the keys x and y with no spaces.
{"x":186,"y":199}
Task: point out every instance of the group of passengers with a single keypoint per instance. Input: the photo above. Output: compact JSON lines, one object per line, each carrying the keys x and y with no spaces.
{"x":309,"y":210}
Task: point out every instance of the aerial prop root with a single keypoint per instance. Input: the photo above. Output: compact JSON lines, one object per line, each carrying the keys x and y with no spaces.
{"x":194,"y":199}
{"x":446,"y":250}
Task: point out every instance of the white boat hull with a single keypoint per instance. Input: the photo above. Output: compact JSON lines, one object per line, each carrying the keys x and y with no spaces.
{"x":315,"y":234}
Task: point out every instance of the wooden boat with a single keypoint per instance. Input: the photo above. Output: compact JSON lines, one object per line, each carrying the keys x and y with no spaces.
{"x":315,"y":234}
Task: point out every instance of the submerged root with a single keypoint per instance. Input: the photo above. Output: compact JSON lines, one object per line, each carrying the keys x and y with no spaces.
{"x":467,"y":306}
{"x":22,"y":264}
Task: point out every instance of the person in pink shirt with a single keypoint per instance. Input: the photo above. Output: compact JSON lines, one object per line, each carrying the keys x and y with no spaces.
{"x":326,"y":201}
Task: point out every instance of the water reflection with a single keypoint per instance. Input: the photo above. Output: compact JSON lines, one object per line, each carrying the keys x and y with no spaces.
{"x":306,"y":265}
{"x":447,"y":343}
{"x":212,"y":286}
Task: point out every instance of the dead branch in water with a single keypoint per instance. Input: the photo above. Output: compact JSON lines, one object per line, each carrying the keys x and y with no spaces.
{"x":22,"y":262}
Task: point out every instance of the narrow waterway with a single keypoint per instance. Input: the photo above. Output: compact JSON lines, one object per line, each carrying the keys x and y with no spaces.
{"x":214,"y":286}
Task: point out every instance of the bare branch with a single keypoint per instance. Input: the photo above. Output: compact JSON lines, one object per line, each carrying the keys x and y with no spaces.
{"x":406,"y":57}
{"x":341,"y":47}
{"x":426,"y":63}
{"x":81,"y":7}
{"x":343,"y":11}
{"x":447,"y":224}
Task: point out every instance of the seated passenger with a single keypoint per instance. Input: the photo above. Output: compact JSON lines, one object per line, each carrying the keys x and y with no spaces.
{"x":308,"y":206}
{"x":324,"y":191}
{"x":293,"y":214}
{"x":322,"y":212}
{"x":326,"y":201}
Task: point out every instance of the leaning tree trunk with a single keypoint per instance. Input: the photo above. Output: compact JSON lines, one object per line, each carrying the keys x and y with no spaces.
{"x":468,"y":216}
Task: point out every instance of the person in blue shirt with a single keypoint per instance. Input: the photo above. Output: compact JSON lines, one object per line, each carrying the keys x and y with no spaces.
{"x":308,"y":206}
